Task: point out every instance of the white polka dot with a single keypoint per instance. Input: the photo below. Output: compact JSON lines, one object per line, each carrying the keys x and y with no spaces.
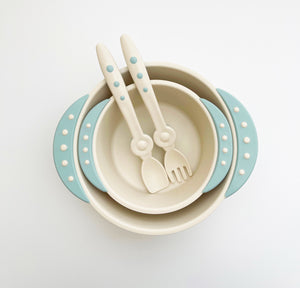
{"x":63,"y":147}
{"x":224,"y":137}
{"x":236,"y":109}
{"x":223,"y":163}
{"x":88,"y":125}
{"x":225,"y":150}
{"x":246,"y":155}
{"x":244,"y":124}
{"x":246,"y":140}
{"x":65,"y":132}
{"x":71,"y":116}
{"x":85,"y":137}
{"x":86,"y":162}
{"x":85,"y":149}
{"x":64,"y":163}
{"x":71,"y":178}
{"x":222,"y":125}
{"x":242,"y":172}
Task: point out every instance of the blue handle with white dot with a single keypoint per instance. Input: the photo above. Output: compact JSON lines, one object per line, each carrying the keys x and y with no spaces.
{"x":63,"y":148}
{"x":247,"y":144}
{"x":224,"y":136}
{"x":85,"y":145}
{"x":245,"y":131}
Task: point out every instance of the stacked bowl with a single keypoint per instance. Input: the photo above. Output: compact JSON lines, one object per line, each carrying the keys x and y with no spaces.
{"x":213,"y":130}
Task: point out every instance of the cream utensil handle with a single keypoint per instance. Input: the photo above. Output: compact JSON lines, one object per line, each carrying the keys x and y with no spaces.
{"x":141,"y":144}
{"x":164,"y":135}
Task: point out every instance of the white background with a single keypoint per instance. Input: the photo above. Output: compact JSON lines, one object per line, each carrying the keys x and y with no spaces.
{"x":49,"y":238}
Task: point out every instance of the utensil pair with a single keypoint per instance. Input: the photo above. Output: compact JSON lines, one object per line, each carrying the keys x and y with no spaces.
{"x":154,"y":174}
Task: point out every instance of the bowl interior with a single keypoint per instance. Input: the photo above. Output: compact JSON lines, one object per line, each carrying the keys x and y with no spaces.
{"x":120,"y":170}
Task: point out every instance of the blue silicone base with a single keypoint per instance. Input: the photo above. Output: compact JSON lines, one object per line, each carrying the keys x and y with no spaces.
{"x":247,"y":144}
{"x":63,"y":149}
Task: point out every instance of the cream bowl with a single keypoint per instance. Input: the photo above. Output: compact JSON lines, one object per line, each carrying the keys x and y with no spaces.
{"x":161,"y":223}
{"x":120,"y":170}
{"x":244,"y":147}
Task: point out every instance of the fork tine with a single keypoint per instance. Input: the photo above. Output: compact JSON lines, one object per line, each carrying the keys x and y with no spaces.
{"x":171,"y":176}
{"x":177,"y":174}
{"x":184,"y":175}
{"x":189,"y":170}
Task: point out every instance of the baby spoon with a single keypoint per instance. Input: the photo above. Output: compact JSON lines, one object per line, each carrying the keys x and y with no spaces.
{"x":152,"y":171}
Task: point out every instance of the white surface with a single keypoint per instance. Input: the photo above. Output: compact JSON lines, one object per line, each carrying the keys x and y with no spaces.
{"x":48,"y":60}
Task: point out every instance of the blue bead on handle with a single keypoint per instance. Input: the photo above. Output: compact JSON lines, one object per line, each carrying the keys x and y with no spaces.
{"x":85,"y":145}
{"x":247,"y":144}
{"x":63,"y":152}
{"x":224,"y":136}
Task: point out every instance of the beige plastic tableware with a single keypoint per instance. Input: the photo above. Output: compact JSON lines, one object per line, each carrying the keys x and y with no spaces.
{"x":176,"y":164}
{"x":119,"y":169}
{"x":142,"y":223}
{"x":152,"y":171}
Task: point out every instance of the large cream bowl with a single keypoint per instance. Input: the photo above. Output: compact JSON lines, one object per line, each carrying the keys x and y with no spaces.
{"x":243,"y":159}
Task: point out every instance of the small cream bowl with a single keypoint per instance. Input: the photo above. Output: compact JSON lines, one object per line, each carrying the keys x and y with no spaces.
{"x":120,"y":170}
